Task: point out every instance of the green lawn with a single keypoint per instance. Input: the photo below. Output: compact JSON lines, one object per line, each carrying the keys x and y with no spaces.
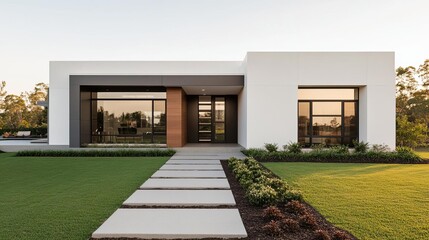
{"x":372,"y":201}
{"x":65,"y":198}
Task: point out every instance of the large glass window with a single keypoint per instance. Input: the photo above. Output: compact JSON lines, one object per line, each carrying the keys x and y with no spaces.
{"x":117,"y":119}
{"x":327,"y":116}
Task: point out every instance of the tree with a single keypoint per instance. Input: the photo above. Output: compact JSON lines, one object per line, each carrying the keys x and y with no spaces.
{"x":14,"y":110}
{"x":409,"y":134}
{"x":406,"y":82}
{"x":423,"y":72}
{"x":36,"y":115}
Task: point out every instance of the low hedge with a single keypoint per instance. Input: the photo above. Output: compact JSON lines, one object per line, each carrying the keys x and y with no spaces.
{"x":97,"y":153}
{"x":404,"y":157}
{"x":261,"y":186}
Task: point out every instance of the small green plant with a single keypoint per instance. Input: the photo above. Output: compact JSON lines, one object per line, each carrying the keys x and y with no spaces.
{"x":341,"y":149}
{"x":271,"y":147}
{"x":406,"y":150}
{"x":360,"y":147}
{"x":293,"y":148}
{"x":380,"y":148}
{"x":260,"y":194}
{"x":318,"y":147}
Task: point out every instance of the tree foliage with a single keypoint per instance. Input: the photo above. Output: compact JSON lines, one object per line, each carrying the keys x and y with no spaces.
{"x":22,"y":111}
{"x":412,"y":105}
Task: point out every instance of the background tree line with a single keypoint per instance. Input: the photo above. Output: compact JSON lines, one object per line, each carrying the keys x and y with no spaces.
{"x":412,"y":105}
{"x":19,"y":112}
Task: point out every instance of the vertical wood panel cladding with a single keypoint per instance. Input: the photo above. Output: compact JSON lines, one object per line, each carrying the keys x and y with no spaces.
{"x":176,"y":120}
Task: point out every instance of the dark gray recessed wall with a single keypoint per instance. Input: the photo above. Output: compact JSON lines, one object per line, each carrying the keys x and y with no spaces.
{"x":78,"y":81}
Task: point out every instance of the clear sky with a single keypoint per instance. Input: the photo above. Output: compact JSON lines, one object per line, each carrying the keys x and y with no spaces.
{"x":34,"y":32}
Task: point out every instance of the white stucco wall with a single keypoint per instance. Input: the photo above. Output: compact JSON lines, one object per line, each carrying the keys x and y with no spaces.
{"x":268,"y":102}
{"x":272,"y":81}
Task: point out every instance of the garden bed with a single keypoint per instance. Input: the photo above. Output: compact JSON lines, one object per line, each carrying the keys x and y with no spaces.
{"x":254,"y":220}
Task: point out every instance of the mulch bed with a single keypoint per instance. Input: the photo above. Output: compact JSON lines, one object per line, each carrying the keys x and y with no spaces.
{"x":254,"y":221}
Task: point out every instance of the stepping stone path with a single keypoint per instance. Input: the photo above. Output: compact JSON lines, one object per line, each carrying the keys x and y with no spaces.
{"x":187,"y":198}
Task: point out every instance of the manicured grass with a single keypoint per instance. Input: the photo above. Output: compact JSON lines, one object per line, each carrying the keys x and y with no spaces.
{"x":423,"y":152}
{"x":65,"y":198}
{"x":372,"y":201}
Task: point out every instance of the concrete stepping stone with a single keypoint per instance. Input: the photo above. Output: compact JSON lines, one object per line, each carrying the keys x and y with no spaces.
{"x":172,"y":224}
{"x":189,"y":174}
{"x":196,"y":162}
{"x":197,"y":157}
{"x":191,"y":167}
{"x":173,"y":183}
{"x":181,"y":198}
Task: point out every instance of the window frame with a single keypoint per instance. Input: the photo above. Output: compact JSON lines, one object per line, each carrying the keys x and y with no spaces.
{"x":342,"y":137}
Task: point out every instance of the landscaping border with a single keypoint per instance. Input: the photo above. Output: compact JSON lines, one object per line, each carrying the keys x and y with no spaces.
{"x":253,"y":216}
{"x":97,"y":153}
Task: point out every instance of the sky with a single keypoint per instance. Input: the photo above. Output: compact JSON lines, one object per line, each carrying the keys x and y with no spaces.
{"x":34,"y":32}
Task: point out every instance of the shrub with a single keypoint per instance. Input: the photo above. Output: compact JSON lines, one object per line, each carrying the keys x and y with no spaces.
{"x":406,"y":150}
{"x":291,"y":195}
{"x":296,"y":207}
{"x":380,"y":148}
{"x":340,"y":235}
{"x":360,"y":147}
{"x":261,"y":186}
{"x":272,"y":228}
{"x":97,"y":153}
{"x":293,"y":148}
{"x":307,"y":221}
{"x":273,"y":213}
{"x":289,"y":225}
{"x":260,"y":194}
{"x":271,"y":147}
{"x":254,"y":152}
{"x":318,"y":147}
{"x":321,"y":235}
{"x":340,"y":149}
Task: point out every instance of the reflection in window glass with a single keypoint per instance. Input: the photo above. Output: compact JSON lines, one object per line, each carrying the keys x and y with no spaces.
{"x":304,"y":118}
{"x":327,"y":141}
{"x":326,"y":108}
{"x":131,"y":95}
{"x":327,"y":94}
{"x":327,"y":116}
{"x":220,"y":132}
{"x":128,"y":121}
{"x":220,"y":109}
{"x":350,"y":120}
{"x":326,"y":126}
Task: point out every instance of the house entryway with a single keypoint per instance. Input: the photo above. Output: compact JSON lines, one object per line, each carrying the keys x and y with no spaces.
{"x":212,"y":119}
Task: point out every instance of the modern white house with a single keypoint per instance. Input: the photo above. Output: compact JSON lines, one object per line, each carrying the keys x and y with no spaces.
{"x":269,"y":97}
